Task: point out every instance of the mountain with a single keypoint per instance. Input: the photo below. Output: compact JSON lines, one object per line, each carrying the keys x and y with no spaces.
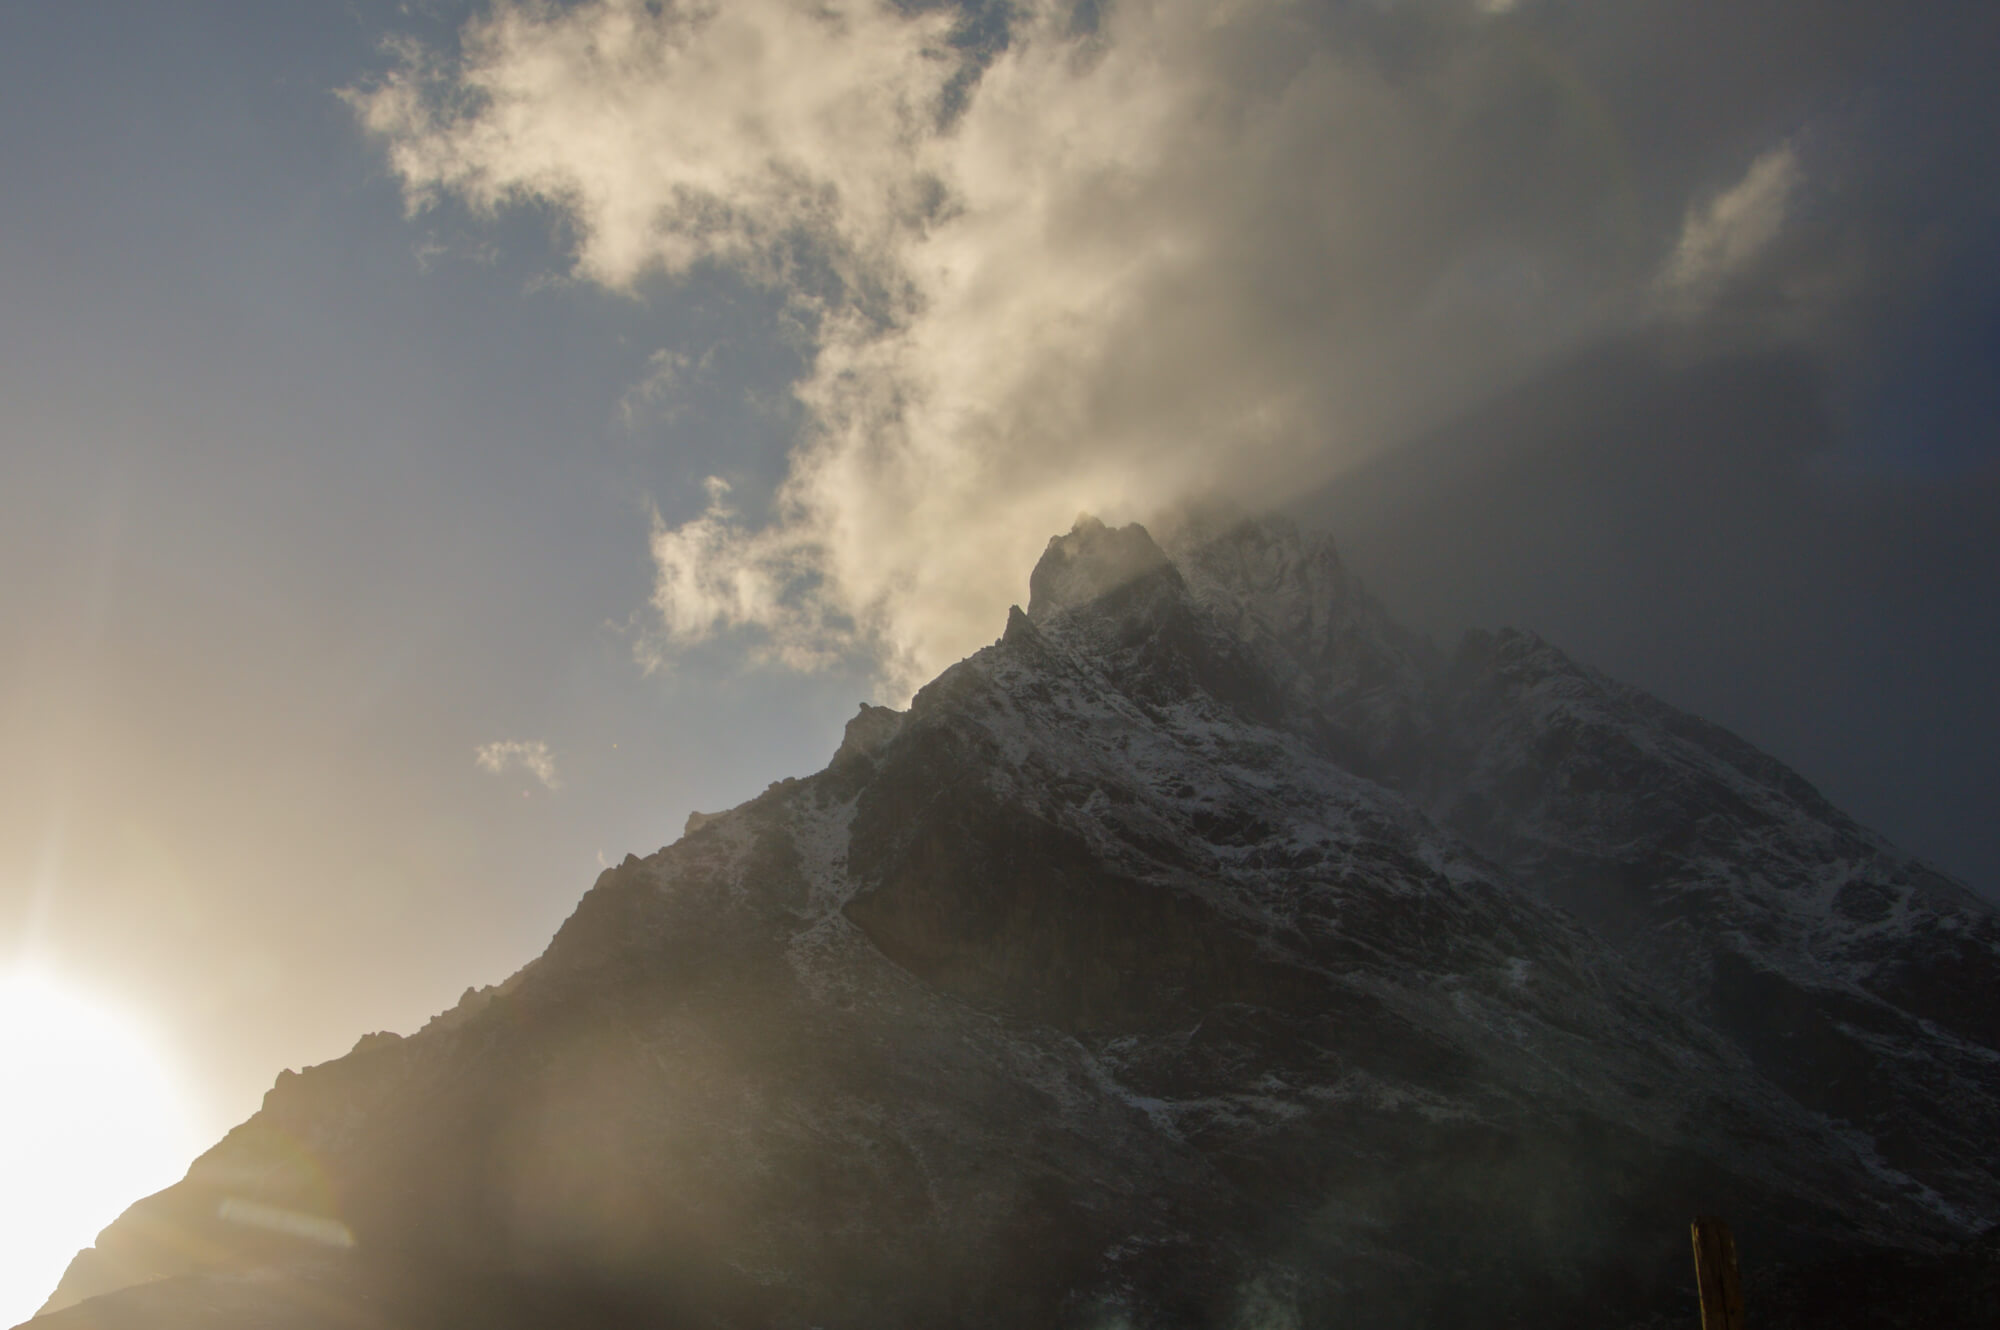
{"x":1207,"y":951}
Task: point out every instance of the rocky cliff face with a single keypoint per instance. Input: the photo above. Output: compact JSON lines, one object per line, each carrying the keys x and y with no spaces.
{"x":1205,"y":952}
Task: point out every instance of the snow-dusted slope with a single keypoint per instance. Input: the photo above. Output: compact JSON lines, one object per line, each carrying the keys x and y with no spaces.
{"x":1862,"y":981}
{"x":1197,"y":954}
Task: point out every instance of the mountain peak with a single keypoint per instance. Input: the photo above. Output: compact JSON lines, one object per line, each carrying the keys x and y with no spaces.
{"x":1092,"y":561}
{"x":1185,"y":958}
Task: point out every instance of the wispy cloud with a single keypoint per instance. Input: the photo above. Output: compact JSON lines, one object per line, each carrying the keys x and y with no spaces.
{"x":1723,"y":237}
{"x":531,"y":756}
{"x":671,"y":377}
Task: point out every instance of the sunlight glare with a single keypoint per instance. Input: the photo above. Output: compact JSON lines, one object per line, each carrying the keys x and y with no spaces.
{"x":90,"y":1121}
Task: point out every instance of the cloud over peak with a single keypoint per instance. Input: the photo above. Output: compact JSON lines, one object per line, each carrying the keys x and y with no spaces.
{"x":1104,"y":265}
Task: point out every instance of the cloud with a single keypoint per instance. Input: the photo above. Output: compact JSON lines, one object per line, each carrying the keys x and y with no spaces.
{"x":1112,"y":257}
{"x":671,"y":377}
{"x":1721,"y":239}
{"x":531,"y":756}
{"x":677,"y":134}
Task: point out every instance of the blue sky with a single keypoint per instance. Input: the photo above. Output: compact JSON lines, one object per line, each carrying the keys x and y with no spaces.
{"x":320,"y":474}
{"x":296,"y":518}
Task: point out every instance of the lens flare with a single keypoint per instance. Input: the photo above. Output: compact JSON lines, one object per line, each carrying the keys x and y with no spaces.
{"x":91,"y":1119}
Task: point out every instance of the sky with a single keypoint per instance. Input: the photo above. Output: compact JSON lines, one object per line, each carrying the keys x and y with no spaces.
{"x":442,"y":445}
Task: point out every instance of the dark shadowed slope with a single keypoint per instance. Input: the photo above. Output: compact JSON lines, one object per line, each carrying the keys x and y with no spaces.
{"x":1707,"y":531}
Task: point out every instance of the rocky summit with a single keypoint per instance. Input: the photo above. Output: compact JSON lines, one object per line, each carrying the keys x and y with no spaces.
{"x":1206,"y":952}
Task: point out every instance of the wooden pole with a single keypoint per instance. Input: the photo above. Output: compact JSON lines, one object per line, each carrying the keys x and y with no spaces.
{"x":1715,"y":1275}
